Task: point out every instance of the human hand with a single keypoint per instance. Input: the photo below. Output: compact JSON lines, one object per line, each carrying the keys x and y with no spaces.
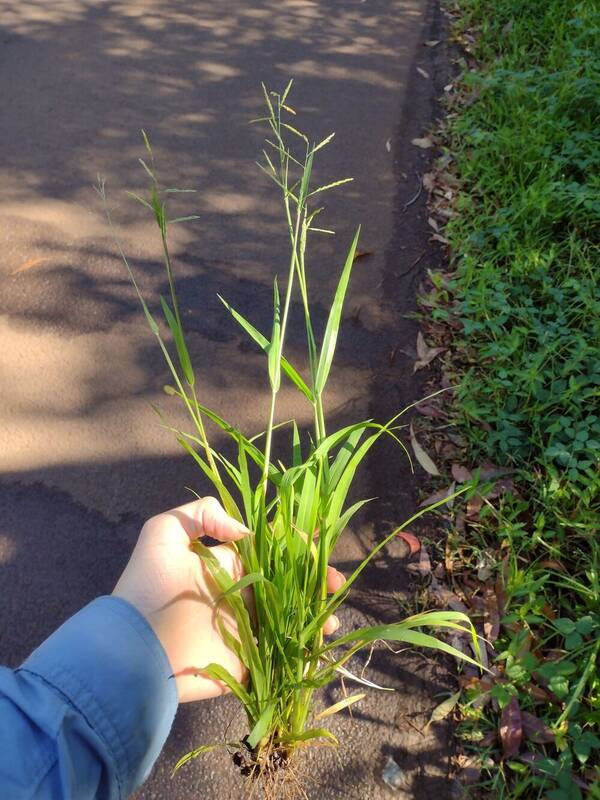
{"x":168,"y":583}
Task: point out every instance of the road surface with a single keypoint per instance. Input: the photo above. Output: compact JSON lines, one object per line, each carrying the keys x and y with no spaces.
{"x":83,"y":459}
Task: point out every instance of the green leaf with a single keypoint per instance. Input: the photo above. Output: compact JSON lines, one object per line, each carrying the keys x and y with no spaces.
{"x":263,"y":342}
{"x":274,"y":347}
{"x":243,"y":583}
{"x":262,"y":726}
{"x":403,"y":632}
{"x":333,"y":322}
{"x":573,"y":641}
{"x":586,"y":625}
{"x":312,"y":733}
{"x":182,"y":351}
{"x":296,"y":446}
{"x":206,"y":748}
{"x":218,"y":673}
{"x":229,"y":503}
{"x":560,"y":686}
{"x":565,"y":626}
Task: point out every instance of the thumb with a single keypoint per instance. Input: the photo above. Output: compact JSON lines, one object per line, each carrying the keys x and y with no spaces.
{"x":207,"y":517}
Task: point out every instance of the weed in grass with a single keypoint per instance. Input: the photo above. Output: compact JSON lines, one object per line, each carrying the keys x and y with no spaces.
{"x":524,"y":297}
{"x":297,"y":511}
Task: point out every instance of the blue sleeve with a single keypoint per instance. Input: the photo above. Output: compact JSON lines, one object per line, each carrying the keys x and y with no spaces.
{"x":86,"y":716}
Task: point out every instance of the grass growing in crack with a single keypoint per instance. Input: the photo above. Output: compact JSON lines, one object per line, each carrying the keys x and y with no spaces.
{"x":527,"y":250}
{"x":285,"y":561}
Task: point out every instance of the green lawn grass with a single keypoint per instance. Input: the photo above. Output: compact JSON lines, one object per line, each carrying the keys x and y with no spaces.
{"x":526,"y":246}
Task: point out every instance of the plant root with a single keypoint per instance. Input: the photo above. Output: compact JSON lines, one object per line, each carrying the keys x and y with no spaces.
{"x":271,"y":774}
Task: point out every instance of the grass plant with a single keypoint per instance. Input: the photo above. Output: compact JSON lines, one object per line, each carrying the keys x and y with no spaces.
{"x":297,"y":511}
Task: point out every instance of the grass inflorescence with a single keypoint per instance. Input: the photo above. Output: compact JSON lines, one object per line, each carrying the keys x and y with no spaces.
{"x":297,"y":510}
{"x":524,"y":307}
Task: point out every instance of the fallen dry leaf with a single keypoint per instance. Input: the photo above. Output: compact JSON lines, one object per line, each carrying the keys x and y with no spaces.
{"x":490,"y":470}
{"x":511,"y":728}
{"x":362,"y":254}
{"x":539,"y":693}
{"x":535,"y":730}
{"x":474,"y":505}
{"x":431,"y":42}
{"x":29,"y":264}
{"x":470,"y":767}
{"x":501,"y":486}
{"x":422,"y":567}
{"x":430,"y":411}
{"x":426,"y":354}
{"x":486,"y":564}
{"x":461,"y":474}
{"x":443,"y":710}
{"x":424,"y":460}
{"x":429,"y":181}
{"x":491,"y":625}
{"x":388,"y":145}
{"x":441,"y":494}
{"x":422,"y":72}
{"x":433,"y":224}
{"x":414,"y":545}
{"x":424,"y":142}
{"x":553,"y":564}
{"x":444,"y":598}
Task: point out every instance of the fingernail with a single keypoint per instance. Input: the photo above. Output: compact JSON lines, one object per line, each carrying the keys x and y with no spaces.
{"x":241,"y":527}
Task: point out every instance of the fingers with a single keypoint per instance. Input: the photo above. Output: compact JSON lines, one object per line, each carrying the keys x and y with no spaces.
{"x":206,"y":517}
{"x":331,"y":625}
{"x":335,"y":580}
{"x":216,"y":523}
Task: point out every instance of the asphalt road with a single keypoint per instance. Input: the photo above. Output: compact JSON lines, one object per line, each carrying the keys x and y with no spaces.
{"x":82,"y":457}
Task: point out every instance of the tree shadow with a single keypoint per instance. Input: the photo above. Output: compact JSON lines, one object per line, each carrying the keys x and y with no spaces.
{"x":89,"y":76}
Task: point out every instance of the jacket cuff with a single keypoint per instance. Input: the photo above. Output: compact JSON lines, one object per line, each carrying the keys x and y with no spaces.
{"x":109,"y":663}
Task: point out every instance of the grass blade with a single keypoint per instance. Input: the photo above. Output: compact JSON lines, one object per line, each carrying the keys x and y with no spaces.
{"x":333,"y":323}
{"x":347,"y":701}
{"x":262,"y":725}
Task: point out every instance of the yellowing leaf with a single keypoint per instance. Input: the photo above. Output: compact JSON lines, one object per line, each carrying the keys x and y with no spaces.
{"x":347,"y":701}
{"x":424,"y":460}
{"x":441,"y":712}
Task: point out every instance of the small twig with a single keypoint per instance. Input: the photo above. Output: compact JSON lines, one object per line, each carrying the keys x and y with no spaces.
{"x":412,"y":266}
{"x":418,"y":194}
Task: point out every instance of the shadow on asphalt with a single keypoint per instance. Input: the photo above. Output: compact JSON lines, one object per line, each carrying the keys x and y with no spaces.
{"x":89,"y":76}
